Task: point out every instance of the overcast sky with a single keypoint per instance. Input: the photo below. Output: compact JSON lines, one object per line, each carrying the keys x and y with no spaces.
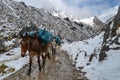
{"x":104,"y":9}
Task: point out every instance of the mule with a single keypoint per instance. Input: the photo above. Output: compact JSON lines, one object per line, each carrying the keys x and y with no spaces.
{"x":35,"y":47}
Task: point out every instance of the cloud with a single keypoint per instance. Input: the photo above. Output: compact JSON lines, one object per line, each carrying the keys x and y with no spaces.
{"x":78,"y":8}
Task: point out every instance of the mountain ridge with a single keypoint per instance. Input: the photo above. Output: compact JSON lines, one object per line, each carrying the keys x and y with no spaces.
{"x":16,"y":15}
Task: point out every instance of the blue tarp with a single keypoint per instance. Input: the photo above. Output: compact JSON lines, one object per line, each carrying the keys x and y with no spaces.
{"x":45,"y":36}
{"x":31,"y":34}
{"x":57,"y":39}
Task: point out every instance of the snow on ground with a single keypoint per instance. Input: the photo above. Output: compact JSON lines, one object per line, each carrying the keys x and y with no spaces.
{"x":1,"y":27}
{"x":13,"y":59}
{"x":118,"y":31}
{"x":8,"y":43}
{"x":108,"y":69}
{"x":83,"y":46}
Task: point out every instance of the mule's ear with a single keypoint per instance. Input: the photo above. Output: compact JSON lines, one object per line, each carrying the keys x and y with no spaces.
{"x":21,"y":36}
{"x":27,"y":35}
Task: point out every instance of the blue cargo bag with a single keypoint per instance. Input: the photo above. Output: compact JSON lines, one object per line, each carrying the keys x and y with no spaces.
{"x":31,"y":34}
{"x":57,"y":39}
{"x":45,"y":36}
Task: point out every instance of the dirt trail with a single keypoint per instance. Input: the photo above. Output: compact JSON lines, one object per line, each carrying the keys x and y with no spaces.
{"x":61,"y":69}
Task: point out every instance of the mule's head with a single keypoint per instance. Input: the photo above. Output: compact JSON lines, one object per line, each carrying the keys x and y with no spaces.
{"x":24,"y":46}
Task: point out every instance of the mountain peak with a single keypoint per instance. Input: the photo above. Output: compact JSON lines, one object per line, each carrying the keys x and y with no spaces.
{"x":98,"y":24}
{"x":117,"y":18}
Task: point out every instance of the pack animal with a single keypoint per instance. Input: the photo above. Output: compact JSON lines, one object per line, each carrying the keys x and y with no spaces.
{"x":35,"y":48}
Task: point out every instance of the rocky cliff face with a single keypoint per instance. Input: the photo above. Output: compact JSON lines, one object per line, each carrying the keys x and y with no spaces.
{"x":98,"y":24}
{"x":16,"y":15}
{"x":111,"y":39}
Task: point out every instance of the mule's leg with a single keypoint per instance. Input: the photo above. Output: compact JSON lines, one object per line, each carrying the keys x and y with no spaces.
{"x":54,"y":51}
{"x":47,"y":55}
{"x":30,"y":63}
{"x":38,"y":57}
{"x":53,"y":48}
{"x":44,"y":61}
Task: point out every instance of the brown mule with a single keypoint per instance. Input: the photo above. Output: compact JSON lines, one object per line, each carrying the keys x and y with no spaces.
{"x":35,"y":47}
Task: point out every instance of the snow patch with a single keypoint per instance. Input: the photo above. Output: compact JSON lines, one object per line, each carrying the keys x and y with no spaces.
{"x":13,"y":59}
{"x":108,"y":69}
{"x":118,"y":31}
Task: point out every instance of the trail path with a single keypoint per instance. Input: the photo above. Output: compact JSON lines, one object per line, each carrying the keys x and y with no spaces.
{"x":61,"y":69}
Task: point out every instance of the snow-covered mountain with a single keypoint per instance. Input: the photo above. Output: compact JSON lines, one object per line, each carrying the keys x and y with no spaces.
{"x":92,"y":50}
{"x":62,"y":14}
{"x":94,"y":22}
{"x":99,"y":56}
{"x":16,"y":15}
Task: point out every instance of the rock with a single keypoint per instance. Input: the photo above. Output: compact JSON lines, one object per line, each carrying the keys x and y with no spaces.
{"x":110,"y":35}
{"x":81,"y":78}
{"x":80,"y":67}
{"x":2,"y":47}
{"x":98,"y":24}
{"x":88,"y":63}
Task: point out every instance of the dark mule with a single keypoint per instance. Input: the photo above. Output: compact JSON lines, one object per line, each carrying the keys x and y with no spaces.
{"x":35,"y":47}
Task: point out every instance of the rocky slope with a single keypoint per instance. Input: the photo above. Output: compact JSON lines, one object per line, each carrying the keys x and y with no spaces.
{"x":16,"y":15}
{"x":111,"y":40}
